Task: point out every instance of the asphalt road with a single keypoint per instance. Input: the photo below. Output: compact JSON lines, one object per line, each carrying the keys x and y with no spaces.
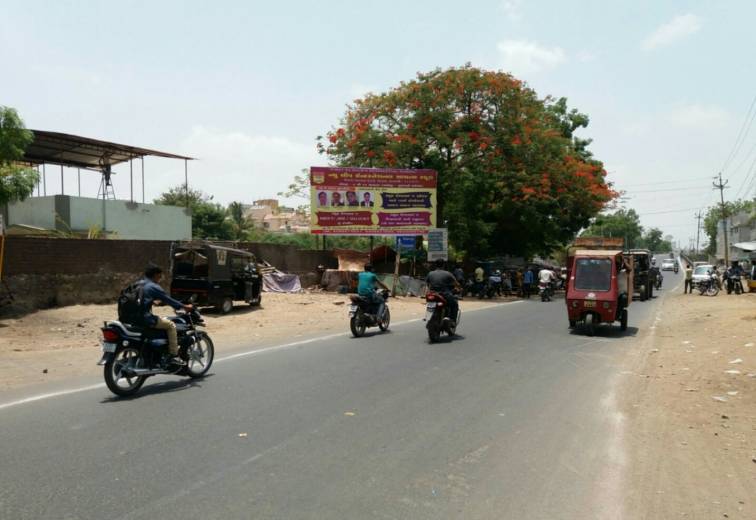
{"x":515,"y":419}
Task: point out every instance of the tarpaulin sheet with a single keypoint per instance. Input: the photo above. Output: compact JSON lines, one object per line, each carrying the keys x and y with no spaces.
{"x":281,"y":282}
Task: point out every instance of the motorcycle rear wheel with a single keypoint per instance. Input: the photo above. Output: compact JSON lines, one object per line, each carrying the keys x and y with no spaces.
{"x":434,"y":333}
{"x":357,"y":326}
{"x":623,"y":320}
{"x":113,"y":372}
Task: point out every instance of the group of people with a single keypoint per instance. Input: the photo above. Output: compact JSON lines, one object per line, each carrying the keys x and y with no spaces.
{"x":723,"y":280}
{"x":510,"y":282}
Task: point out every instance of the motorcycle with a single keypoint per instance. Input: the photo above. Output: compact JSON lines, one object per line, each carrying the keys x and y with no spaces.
{"x":544,"y":290}
{"x":362,"y":314}
{"x":131,"y":354}
{"x":709,"y":287}
{"x":658,"y":281}
{"x":734,"y":284}
{"x":490,"y":288}
{"x":437,"y":317}
{"x":676,"y":268}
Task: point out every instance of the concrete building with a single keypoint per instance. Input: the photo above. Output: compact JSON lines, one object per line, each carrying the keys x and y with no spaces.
{"x":270,"y":215}
{"x":741,"y":228}
{"x":80,"y":216}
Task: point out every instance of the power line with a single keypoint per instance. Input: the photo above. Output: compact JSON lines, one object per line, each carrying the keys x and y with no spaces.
{"x":668,"y":211}
{"x":749,"y":173}
{"x":670,"y":182}
{"x":671,"y":189}
{"x":742,"y":134}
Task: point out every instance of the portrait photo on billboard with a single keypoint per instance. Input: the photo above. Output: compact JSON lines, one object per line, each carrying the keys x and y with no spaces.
{"x":367,"y":199}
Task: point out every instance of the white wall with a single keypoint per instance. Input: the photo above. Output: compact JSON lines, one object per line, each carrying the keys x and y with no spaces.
{"x":122,"y":219}
{"x":34,"y":211}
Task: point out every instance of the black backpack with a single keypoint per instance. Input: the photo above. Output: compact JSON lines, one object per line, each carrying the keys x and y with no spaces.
{"x":130,"y":304}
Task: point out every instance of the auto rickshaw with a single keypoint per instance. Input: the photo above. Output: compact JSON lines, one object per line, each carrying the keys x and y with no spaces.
{"x":215,"y":275}
{"x":598,"y":288}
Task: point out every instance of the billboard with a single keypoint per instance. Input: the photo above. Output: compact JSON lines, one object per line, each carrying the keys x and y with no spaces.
{"x":372,"y":201}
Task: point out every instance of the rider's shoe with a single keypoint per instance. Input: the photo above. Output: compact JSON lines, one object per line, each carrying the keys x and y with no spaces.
{"x":174,"y":362}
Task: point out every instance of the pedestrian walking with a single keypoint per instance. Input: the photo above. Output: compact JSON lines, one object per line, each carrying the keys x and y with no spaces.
{"x":527,"y":282}
{"x":688,"y":279}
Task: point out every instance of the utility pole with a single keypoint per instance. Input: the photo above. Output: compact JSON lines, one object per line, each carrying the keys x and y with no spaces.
{"x":699,"y":216}
{"x":721,"y":187}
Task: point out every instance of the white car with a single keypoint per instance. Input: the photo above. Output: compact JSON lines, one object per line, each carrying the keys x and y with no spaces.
{"x":668,"y":264}
{"x":701,"y":273}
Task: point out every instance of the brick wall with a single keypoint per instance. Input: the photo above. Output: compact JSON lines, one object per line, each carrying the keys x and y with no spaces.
{"x":27,"y":255}
{"x":47,"y":272}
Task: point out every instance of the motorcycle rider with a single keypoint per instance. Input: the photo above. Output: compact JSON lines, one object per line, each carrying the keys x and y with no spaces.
{"x":546,"y":277}
{"x":735,"y":272}
{"x":367,"y":282}
{"x":444,"y":283}
{"x":153,"y":294}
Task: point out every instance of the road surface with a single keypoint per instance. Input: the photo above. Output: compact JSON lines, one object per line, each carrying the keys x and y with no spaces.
{"x":514,"y":419}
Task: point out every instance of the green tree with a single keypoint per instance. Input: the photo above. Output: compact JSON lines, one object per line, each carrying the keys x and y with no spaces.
{"x":715,"y":215}
{"x":16,"y":181}
{"x":299,"y":189}
{"x":622,"y":223}
{"x":513,"y":178}
{"x":208,"y":218}
{"x":240,"y":224}
{"x":653,"y":240}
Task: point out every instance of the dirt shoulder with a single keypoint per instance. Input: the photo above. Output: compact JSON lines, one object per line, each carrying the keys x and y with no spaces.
{"x":63,"y":343}
{"x":691,"y":413}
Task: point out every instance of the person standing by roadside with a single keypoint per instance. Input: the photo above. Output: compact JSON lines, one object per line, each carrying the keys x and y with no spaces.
{"x":480,"y":277}
{"x":688,"y":279}
{"x":518,"y":280}
{"x":527,"y":282}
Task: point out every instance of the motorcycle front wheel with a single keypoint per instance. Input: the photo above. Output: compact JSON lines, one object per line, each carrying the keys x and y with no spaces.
{"x":116,"y":371}
{"x":200,"y":355}
{"x":357,"y":325}
{"x":386,"y":321}
{"x":713,"y":290}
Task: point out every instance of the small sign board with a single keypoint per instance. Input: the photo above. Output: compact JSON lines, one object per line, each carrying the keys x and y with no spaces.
{"x":405,"y":243}
{"x":438,"y":244}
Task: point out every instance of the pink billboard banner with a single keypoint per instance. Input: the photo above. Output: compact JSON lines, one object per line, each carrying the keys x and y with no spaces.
{"x":415,"y":218}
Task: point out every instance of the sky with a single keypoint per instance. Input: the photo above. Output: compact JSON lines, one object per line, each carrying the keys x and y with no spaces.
{"x":246,"y":86}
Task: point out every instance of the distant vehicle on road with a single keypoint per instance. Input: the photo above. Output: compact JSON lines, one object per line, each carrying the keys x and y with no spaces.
{"x":668,"y":264}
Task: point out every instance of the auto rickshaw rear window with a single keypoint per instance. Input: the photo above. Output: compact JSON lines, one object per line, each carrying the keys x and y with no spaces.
{"x":190,"y":264}
{"x":593,"y":274}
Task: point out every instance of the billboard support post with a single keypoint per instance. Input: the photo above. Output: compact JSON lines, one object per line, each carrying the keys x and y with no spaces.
{"x":396,"y":271}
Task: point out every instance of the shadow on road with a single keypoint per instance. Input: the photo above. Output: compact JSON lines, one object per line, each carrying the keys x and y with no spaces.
{"x":448,"y":339}
{"x":173,"y":385}
{"x":607,"y":332}
{"x":371,"y":333}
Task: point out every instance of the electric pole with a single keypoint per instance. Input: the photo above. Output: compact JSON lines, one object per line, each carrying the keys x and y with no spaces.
{"x":721,"y":187}
{"x":699,"y":216}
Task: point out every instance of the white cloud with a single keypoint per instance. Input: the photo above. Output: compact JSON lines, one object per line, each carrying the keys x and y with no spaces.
{"x":238,"y":166}
{"x":678,"y":28}
{"x":695,"y":116}
{"x":524,"y":57}
{"x":512,"y":9}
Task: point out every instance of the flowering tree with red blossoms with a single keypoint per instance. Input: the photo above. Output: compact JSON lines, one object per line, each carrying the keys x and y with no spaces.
{"x":513,"y":177}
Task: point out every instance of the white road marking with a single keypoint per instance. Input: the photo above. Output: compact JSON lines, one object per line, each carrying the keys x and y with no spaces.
{"x":274,"y":348}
